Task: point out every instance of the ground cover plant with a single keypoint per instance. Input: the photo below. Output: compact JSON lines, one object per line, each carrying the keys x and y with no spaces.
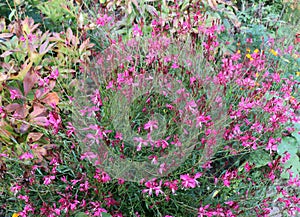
{"x":149,"y":108}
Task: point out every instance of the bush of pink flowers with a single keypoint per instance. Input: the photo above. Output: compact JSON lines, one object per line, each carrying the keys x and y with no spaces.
{"x":148,"y":109}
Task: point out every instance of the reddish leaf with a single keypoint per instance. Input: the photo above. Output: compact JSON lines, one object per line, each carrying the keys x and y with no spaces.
{"x":39,"y":93}
{"x":41,"y":121}
{"x":6,"y":35}
{"x":51,"y":98}
{"x":33,"y":137}
{"x":50,"y":146}
{"x":85,"y":45}
{"x":24,"y":128}
{"x":29,"y":80}
{"x":3,"y":131}
{"x":19,"y":109}
{"x":28,"y":25}
{"x":38,"y":109}
{"x":51,"y":85}
{"x":43,"y":47}
{"x":12,"y":107}
{"x":6,"y":132}
{"x":22,"y":111}
{"x":25,"y":68}
{"x":39,"y":152}
{"x":6,"y":53}
{"x":56,"y":37}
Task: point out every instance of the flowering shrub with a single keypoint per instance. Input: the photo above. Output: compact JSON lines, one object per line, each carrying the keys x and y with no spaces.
{"x":147,"y":109}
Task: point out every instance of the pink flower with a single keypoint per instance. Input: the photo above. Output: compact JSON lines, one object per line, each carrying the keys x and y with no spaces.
{"x":192,"y":80}
{"x":71,"y":129}
{"x":105,"y":177}
{"x":103,"y":20}
{"x":54,"y":120}
{"x":154,"y":159}
{"x":84,"y":186}
{"x":285,"y":158}
{"x":26,"y":156}
{"x":191,"y":106}
{"x":121,"y":181}
{"x":27,"y":208}
{"x":15,"y":94}
{"x":272,"y":146}
{"x":249,"y":40}
{"x":102,"y":176}
{"x":43,"y":82}
{"x":172,"y":185}
{"x":110,"y":201}
{"x":188,"y":181}
{"x":229,"y":175}
{"x":175,"y":66}
{"x":54,"y":74}
{"x":207,"y":165}
{"x":141,"y":142}
{"x":2,"y":112}
{"x":152,"y":186}
{"x":276,"y":77}
{"x":99,"y":211}
{"x":63,"y":179}
{"x":169,"y":106}
{"x":151,"y":125}
{"x":202,"y":119}
{"x":22,"y":38}
{"x":88,"y":155}
{"x":16,"y":188}
{"x":161,"y":143}
{"x":119,"y":136}
{"x":110,"y":85}
{"x":48,"y":179}
{"x":247,"y":167}
{"x":24,"y":197}
{"x":136,"y":31}
{"x":202,"y":211}
{"x":89,"y":110}
{"x":96,"y":98}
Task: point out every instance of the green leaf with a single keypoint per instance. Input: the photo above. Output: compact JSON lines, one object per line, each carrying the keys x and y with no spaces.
{"x":12,"y":13}
{"x":297,"y":126}
{"x":104,"y":214}
{"x":81,"y":214}
{"x":288,"y":144}
{"x":294,"y":165}
{"x":260,"y":158}
{"x":285,"y":175}
{"x":296,"y":135}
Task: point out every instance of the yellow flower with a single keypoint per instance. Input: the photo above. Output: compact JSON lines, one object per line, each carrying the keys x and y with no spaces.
{"x":273,"y":52}
{"x":292,"y":99}
{"x":256,"y":74}
{"x":238,"y":51}
{"x":256,"y":51}
{"x":297,"y":73}
{"x":249,"y":56}
{"x":16,"y":215}
{"x":248,"y":49}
